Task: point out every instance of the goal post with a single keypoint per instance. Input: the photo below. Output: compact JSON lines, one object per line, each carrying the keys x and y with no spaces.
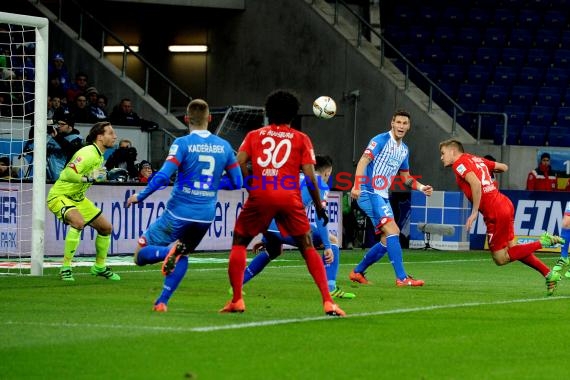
{"x":26,"y":40}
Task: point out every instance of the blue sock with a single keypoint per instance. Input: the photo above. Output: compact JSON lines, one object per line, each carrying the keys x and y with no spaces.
{"x":332,"y":268}
{"x":172,"y":281}
{"x":373,"y":255}
{"x":257,"y":264}
{"x":151,"y":254}
{"x":395,"y":255}
{"x":565,"y":234}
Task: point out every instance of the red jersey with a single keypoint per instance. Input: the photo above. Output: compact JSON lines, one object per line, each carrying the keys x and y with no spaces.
{"x":277,"y":153}
{"x":482,"y":168}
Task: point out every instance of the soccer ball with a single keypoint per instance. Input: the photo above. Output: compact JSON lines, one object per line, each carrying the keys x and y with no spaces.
{"x":324,"y":107}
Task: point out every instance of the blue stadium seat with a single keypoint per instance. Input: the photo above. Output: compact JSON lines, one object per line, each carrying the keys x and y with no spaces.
{"x":563,"y":117}
{"x":529,"y":18}
{"x":541,"y":115}
{"x":452,"y":73}
{"x":549,"y":96}
{"x":461,"y":55}
{"x":523,"y":95}
{"x":517,"y":114}
{"x":469,"y":95}
{"x":404,"y":15}
{"x":547,"y":38}
{"x":469,"y":36}
{"x":396,"y":34}
{"x":520,"y":38}
{"x":558,"y":136}
{"x":531,"y":76}
{"x":538,"y":57}
{"x":532,"y":135}
{"x":478,"y":74}
{"x":428,"y":15}
{"x":505,"y":17}
{"x":565,"y":38}
{"x":478,"y":16}
{"x":488,"y":122}
{"x":444,"y":35}
{"x":506,"y":75}
{"x":410,"y":51}
{"x":453,"y":16}
{"x":554,"y":19}
{"x":497,"y":94}
{"x":513,"y":132}
{"x":495,"y":37}
{"x":556,"y":76}
{"x":419,"y":34}
{"x":488,"y":56}
{"x":562,"y":58}
{"x":434,"y":54}
{"x":513,"y":56}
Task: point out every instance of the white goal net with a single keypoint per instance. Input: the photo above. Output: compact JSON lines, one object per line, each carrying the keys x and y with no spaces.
{"x":23,"y":128}
{"x":234,"y":122}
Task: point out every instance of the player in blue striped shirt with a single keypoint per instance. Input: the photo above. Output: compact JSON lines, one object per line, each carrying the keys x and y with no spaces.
{"x":383,"y":163}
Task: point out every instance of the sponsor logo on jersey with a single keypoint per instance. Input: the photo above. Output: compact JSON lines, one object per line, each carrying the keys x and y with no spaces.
{"x":461,"y":169}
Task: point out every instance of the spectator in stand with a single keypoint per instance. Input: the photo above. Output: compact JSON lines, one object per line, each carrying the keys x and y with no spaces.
{"x":92,"y":103}
{"x":5,"y":108}
{"x":543,"y":178}
{"x":123,"y":114}
{"x":124,"y":158}
{"x":57,"y":69}
{"x":81,"y":111}
{"x":55,"y":88}
{"x":145,"y":171}
{"x":5,"y":168}
{"x":56,"y":158}
{"x":102,"y":102}
{"x":77,"y":88}
{"x":67,"y":136}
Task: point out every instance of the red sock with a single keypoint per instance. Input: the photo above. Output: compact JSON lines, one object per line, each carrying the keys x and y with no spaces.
{"x":236,"y":268}
{"x":535,"y":263}
{"x":520,"y":251}
{"x":317,"y":270}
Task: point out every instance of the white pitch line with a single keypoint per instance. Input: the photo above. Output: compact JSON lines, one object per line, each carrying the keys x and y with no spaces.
{"x":235,"y":326}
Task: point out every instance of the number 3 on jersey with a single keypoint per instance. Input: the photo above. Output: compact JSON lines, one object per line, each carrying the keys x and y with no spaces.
{"x":272,"y":151}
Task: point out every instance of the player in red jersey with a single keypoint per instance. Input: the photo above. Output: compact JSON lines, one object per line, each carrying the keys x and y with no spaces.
{"x":473,"y":176}
{"x":276,"y":152}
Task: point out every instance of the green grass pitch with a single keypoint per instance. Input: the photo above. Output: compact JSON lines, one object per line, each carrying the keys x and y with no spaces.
{"x":472,"y":320}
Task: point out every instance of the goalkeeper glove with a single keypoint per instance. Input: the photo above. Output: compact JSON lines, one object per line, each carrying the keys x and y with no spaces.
{"x":97,"y":175}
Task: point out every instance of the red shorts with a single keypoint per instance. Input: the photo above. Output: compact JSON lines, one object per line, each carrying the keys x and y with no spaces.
{"x":259,"y":210}
{"x":500,"y":220}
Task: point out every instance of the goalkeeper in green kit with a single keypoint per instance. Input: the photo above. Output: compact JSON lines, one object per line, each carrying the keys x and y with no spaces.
{"x":67,"y":201}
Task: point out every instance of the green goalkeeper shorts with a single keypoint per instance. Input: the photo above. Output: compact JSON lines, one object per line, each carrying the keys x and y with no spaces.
{"x":60,"y":205}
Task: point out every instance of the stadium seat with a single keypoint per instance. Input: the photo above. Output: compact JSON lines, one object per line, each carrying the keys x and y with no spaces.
{"x":469,"y":95}
{"x":529,"y":18}
{"x":396,"y":34}
{"x":549,"y":96}
{"x":547,"y":38}
{"x":537,"y":57}
{"x":505,"y":75}
{"x":496,"y":94}
{"x":541,"y":115}
{"x":488,"y":122}
{"x":513,"y":56}
{"x":469,"y":36}
{"x":461,"y":55}
{"x":411,"y":51}
{"x":523,"y":95}
{"x":516,"y":113}
{"x":428,"y":15}
{"x":532,"y":135}
{"x":562,"y":58}
{"x":565,"y":38}
{"x":554,"y":19}
{"x":520,"y":38}
{"x":452,"y":73}
{"x":531,"y":76}
{"x":563,"y":117}
{"x":478,"y":16}
{"x":404,"y":15}
{"x":429,"y":69}
{"x":419,"y":34}
{"x":556,"y":76}
{"x":495,"y":37}
{"x":478,"y":74}
{"x":513,"y":132}
{"x":453,"y":16}
{"x":504,"y":17}
{"x":434,"y":54}
{"x":444,"y":35}
{"x":488,"y":56}
{"x":558,"y":136}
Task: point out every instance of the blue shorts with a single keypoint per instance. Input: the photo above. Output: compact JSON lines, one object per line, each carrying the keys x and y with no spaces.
{"x":167,"y":229}
{"x":377,"y":208}
{"x":316,"y":236}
